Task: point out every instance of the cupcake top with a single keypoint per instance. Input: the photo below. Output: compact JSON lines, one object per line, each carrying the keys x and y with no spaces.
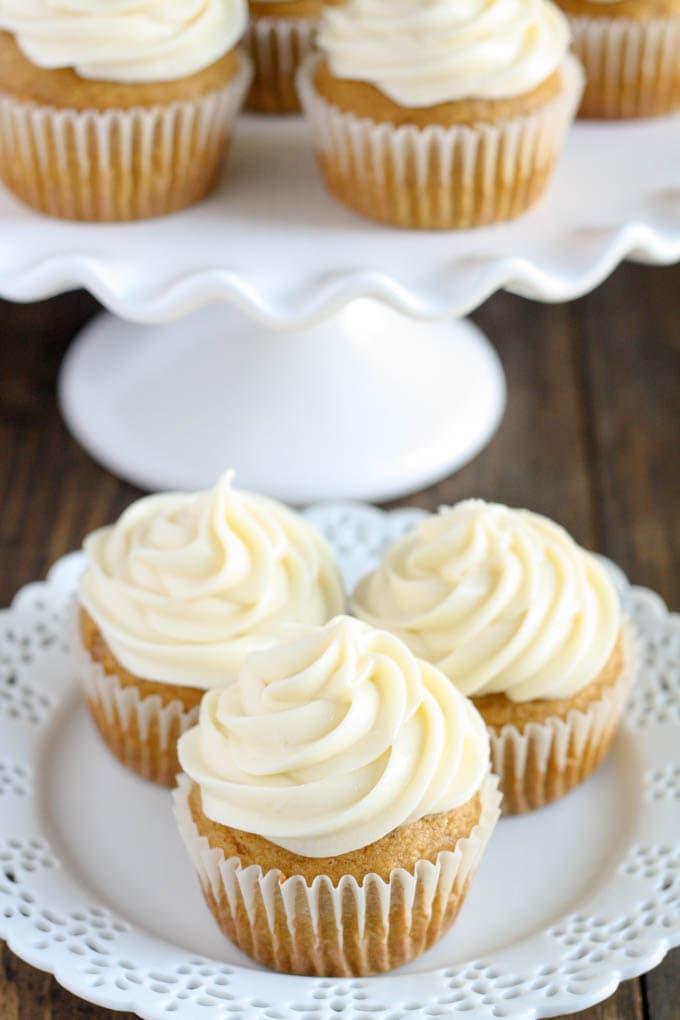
{"x":421,"y":53}
{"x":184,"y":585}
{"x":334,"y":739}
{"x":125,"y":41}
{"x":503,"y":601}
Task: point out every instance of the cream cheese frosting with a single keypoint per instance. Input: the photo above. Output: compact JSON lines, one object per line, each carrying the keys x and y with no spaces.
{"x":184,"y":585}
{"x":125,"y":41}
{"x":334,"y":739}
{"x":503,"y":601}
{"x":423,"y":52}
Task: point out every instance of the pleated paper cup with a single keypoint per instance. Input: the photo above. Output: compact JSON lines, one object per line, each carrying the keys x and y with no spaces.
{"x":118,"y":164}
{"x":277,"y":47}
{"x":142,"y":732}
{"x":544,"y":761}
{"x":439,"y":177}
{"x":343,"y":930}
{"x":632,"y":67}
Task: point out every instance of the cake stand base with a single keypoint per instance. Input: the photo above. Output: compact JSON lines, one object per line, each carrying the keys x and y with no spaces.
{"x":366,"y":405}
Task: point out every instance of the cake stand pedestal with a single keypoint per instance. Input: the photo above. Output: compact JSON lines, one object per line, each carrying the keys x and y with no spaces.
{"x":272,"y":330}
{"x":364,"y":405}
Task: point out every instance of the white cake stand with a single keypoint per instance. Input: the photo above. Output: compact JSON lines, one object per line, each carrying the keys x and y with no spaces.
{"x":357,"y":398}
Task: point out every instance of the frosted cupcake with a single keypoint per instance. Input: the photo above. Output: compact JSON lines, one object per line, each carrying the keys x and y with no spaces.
{"x":440,"y":114}
{"x":631,"y":53}
{"x":175,"y":595}
{"x":525,"y":623}
{"x":281,"y":34}
{"x":336,"y":802}
{"x":117,"y":111}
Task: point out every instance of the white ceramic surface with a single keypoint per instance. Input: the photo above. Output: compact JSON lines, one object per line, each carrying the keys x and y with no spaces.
{"x":367,"y":405}
{"x":274,"y":245}
{"x":273,"y":242}
{"x":95,"y":886}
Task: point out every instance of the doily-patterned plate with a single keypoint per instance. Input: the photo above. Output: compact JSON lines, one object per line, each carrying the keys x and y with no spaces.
{"x":96,"y":888}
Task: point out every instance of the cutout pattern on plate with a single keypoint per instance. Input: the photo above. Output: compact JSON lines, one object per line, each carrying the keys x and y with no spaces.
{"x":623,"y":927}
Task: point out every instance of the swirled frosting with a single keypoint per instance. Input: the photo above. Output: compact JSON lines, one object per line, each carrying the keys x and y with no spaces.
{"x":423,"y":52}
{"x":332,"y":740}
{"x":501,"y":600}
{"x":125,"y":41}
{"x":183,"y":586}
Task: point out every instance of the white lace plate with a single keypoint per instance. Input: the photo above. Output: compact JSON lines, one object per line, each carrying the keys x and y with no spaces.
{"x":95,"y":886}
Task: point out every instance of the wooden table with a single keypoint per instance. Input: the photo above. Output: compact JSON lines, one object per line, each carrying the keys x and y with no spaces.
{"x":591,"y":438}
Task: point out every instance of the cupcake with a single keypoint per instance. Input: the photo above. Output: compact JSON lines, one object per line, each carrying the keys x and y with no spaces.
{"x":631,"y":53}
{"x":281,"y":34}
{"x":173,"y":597}
{"x":117,"y":111}
{"x":443,"y":114}
{"x":525,"y":623}
{"x":336,"y":802}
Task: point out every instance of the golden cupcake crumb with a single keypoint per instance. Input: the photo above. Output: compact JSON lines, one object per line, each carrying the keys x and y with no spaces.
{"x":403,"y":848}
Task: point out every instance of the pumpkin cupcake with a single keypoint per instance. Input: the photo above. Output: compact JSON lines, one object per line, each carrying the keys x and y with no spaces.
{"x":117,"y":111}
{"x":524,"y":622}
{"x":281,"y":34}
{"x":631,"y":53}
{"x":440,"y":115}
{"x":173,"y":597}
{"x":336,"y":802}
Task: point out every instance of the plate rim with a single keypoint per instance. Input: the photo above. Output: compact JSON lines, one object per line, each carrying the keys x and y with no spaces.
{"x":530,"y":1004}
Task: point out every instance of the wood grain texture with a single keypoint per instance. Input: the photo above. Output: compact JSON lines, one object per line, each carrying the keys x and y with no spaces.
{"x":591,"y":438}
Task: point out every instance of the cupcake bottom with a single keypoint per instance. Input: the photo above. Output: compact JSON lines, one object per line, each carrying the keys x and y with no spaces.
{"x":445,"y":174}
{"x":139,"y":720}
{"x":632,"y":66}
{"x":293,"y":916}
{"x":277,"y":47}
{"x":541,"y":750}
{"x":103,"y":152}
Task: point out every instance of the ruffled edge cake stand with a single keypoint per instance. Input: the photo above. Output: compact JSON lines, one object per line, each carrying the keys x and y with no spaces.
{"x":321,"y":355}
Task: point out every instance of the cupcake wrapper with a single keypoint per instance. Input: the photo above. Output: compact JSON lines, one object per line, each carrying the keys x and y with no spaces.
{"x":141,"y":732}
{"x":118,"y":164}
{"x":632,"y":67}
{"x":546,"y":760}
{"x":277,"y":47}
{"x":349,"y":929}
{"x":439,"y":177}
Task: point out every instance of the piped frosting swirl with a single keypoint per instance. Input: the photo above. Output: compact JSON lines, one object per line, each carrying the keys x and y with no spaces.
{"x":125,"y":41}
{"x":421,"y":53}
{"x":334,"y":739}
{"x":185,"y":585}
{"x":503,"y":601}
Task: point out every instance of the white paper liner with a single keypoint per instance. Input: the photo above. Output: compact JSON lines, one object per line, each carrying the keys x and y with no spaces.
{"x":543,"y":761}
{"x":439,"y":177}
{"x":346,"y":929}
{"x":277,"y":47}
{"x":632,"y":66}
{"x":118,"y":164}
{"x":141,"y":731}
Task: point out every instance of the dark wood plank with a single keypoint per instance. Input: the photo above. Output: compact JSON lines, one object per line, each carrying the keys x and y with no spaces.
{"x":590,"y":438}
{"x":630,"y":358}
{"x":662,"y":989}
{"x":539,"y":457}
